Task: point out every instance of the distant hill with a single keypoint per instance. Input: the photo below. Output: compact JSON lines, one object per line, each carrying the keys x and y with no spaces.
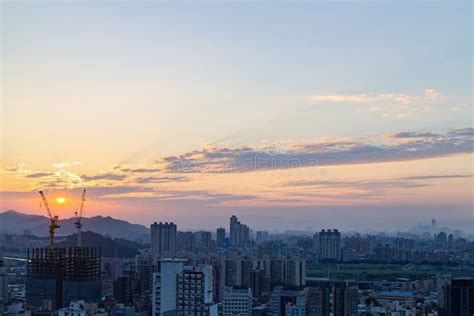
{"x":13,"y":222}
{"x":111,"y":248}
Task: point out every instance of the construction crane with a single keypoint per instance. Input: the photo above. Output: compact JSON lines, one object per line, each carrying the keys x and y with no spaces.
{"x":54,"y":222}
{"x":78,"y":222}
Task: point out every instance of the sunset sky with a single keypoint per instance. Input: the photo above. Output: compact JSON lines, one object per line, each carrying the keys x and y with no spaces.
{"x":289,"y":115}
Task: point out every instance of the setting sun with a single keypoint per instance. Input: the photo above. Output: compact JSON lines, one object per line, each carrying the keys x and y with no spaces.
{"x":60,"y":200}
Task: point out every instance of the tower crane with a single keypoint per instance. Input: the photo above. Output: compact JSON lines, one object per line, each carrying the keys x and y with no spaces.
{"x":54,"y":222}
{"x":78,"y":215}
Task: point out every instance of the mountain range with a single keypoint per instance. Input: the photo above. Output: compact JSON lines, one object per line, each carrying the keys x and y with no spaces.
{"x":13,"y":222}
{"x":110,"y":248}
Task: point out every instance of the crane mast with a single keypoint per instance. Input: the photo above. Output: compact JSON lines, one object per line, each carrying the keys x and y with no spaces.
{"x":78,"y":222}
{"x":54,"y":222}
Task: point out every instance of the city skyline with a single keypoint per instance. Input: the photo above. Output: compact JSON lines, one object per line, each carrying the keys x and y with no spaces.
{"x":287,"y":116}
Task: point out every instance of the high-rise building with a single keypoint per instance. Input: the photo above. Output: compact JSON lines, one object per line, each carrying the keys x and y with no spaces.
{"x":220,"y":237}
{"x":288,"y":302}
{"x":3,"y":288}
{"x":338,"y":294}
{"x":163,"y":238}
{"x":194,"y":290}
{"x":165,"y":286}
{"x":186,"y":241}
{"x":259,"y":283}
{"x":262,"y":236}
{"x":246,"y":269}
{"x":351,"y":301}
{"x":58,"y":277}
{"x":298,"y":308}
{"x":180,"y":289}
{"x":286,"y":272}
{"x":233,"y":272}
{"x":112,"y":267}
{"x":237,"y":301}
{"x":244,"y":234}
{"x":458,"y":297}
{"x":218,"y":273}
{"x":319,"y":300}
{"x":145,"y":266}
{"x":122,"y":288}
{"x":295,"y":274}
{"x":332,"y":298}
{"x":234,"y":229}
{"x":239,"y":233}
{"x":441,"y":237}
{"x":203,"y":239}
{"x":329,"y":243}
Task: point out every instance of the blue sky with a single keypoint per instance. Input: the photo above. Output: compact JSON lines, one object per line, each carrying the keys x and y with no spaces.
{"x":132,"y":83}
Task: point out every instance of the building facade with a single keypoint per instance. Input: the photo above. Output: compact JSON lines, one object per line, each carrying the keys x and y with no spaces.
{"x":163,"y":238}
{"x":329,"y":244}
{"x":237,"y":302}
{"x":458,"y":297}
{"x":220,"y":237}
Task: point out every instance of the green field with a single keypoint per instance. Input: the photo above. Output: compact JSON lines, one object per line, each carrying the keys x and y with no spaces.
{"x":372,"y":272}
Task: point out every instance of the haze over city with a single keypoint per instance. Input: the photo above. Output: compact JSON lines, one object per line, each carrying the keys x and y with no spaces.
{"x":356,"y":116}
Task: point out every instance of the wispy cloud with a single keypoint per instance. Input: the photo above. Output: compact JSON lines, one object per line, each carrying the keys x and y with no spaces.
{"x":415,"y":135}
{"x":62,"y":165}
{"x":387,"y":104}
{"x":442,"y":176}
{"x":364,"y":184}
{"x":128,"y":169}
{"x":143,"y":170}
{"x":148,"y":193}
{"x":401,"y":183}
{"x":104,"y":176}
{"x":39,"y":175}
{"x":336,"y":151}
{"x":342,"y":98}
{"x":403,"y":98}
{"x":152,"y":179}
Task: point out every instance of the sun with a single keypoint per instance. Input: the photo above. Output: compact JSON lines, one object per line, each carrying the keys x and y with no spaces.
{"x":60,"y":200}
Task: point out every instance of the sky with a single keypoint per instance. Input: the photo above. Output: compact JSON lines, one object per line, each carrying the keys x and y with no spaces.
{"x":301,"y":115}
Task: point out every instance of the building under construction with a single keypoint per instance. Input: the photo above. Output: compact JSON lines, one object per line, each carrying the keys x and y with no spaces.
{"x":60,"y":275}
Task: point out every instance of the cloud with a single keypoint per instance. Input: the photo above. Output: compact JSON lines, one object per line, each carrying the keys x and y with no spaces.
{"x":143,"y":170}
{"x":161,"y":179}
{"x":414,"y":135}
{"x":336,"y":151}
{"x":467,"y":131}
{"x":20,"y":167}
{"x":127,"y":169}
{"x":432,"y":94}
{"x":371,"y":185}
{"x":375,"y":109}
{"x":38,"y":175}
{"x":402,"y":183}
{"x":359,"y":189}
{"x":104,"y":176}
{"x":62,"y":165}
{"x":398,"y":105}
{"x":111,"y":190}
{"x":10,"y":169}
{"x":171,"y":195}
{"x":342,"y":98}
{"x":402,"y":98}
{"x":443,"y":176}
